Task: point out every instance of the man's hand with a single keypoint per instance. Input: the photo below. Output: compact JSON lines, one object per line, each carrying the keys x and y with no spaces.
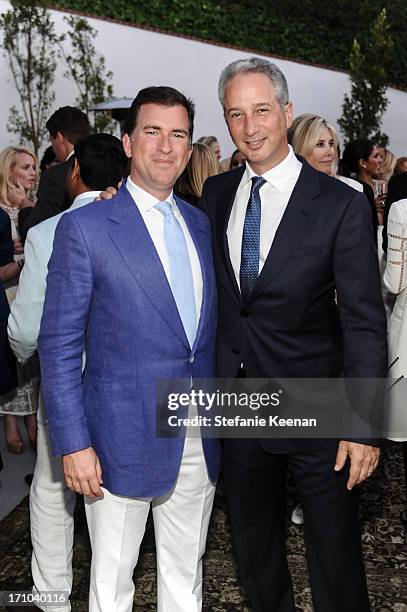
{"x":83,"y":473}
{"x":363,"y":461}
{"x":27,"y":203}
{"x":109,"y":193}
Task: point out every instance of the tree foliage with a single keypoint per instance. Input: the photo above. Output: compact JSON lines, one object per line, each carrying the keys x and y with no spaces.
{"x":29,"y":44}
{"x":363,"y":109}
{"x":312,"y":30}
{"x":87,"y":69}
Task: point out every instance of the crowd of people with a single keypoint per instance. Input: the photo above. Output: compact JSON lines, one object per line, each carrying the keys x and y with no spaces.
{"x":283,"y":261}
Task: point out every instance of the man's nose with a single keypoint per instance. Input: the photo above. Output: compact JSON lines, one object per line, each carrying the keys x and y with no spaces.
{"x":250,"y":125}
{"x":165,"y":143}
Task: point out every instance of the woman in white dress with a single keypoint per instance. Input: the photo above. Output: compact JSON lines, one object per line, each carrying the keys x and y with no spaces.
{"x":395,"y":280}
{"x":18,"y":174}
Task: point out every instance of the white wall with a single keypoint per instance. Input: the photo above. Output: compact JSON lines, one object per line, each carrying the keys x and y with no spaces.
{"x":140,"y":58}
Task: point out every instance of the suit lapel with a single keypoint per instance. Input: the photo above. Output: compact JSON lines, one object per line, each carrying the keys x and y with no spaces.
{"x":293,"y":227}
{"x":131,"y":237}
{"x":223,"y":210}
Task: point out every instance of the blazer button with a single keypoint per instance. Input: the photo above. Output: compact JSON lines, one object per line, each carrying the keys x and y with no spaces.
{"x":191,"y":359}
{"x":235,"y":351}
{"x":244,"y":313}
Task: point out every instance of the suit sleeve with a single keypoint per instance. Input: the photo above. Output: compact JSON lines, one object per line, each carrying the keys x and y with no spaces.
{"x":26,"y":311}
{"x":6,"y":242}
{"x":62,"y":337}
{"x":357,"y":276}
{"x":362,"y":315}
{"x":52,"y":198}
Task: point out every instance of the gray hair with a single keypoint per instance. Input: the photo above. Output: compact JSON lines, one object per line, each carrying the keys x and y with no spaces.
{"x":258,"y":66}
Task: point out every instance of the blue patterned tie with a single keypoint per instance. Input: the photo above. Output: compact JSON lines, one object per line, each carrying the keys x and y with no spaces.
{"x":249,"y":263}
{"x":181,"y":281}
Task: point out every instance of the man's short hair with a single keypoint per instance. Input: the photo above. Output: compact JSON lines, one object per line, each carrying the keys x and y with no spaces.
{"x":102,"y":161}
{"x":71,"y":122}
{"x":163,"y":96}
{"x":255,"y":65}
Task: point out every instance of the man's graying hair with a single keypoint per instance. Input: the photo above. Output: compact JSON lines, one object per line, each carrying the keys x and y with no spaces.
{"x":258,"y":66}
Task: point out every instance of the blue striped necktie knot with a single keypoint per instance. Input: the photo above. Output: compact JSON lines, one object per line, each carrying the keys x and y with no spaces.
{"x":250,"y":257}
{"x":181,"y":280}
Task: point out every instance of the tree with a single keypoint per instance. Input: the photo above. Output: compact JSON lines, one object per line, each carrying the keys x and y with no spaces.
{"x":29,"y":44}
{"x":86,"y":68}
{"x":362,"y":111}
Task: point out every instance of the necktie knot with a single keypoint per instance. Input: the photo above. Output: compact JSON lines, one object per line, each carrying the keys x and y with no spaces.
{"x":257,"y":183}
{"x":164,"y":208}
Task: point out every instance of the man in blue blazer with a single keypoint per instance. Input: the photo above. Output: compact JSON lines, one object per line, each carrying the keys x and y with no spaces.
{"x":299,"y":297}
{"x":131,"y":281}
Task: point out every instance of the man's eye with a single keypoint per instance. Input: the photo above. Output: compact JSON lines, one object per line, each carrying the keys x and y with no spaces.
{"x":263,"y":110}
{"x":179,"y":135}
{"x":235,"y":115}
{"x":153,"y":132}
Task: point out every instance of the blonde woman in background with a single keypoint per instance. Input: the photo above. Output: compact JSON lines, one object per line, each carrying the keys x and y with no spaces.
{"x":387,"y":166}
{"x":202,"y":164}
{"x":317,"y":142}
{"x":212,"y":142}
{"x":18,"y":175}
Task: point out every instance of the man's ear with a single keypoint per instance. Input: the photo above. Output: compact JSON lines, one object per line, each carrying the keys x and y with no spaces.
{"x":75,"y":170}
{"x":126,"y":144}
{"x":288,"y":111}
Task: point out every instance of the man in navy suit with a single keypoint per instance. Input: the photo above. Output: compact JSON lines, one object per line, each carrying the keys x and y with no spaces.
{"x":288,"y":239}
{"x":132,"y":282}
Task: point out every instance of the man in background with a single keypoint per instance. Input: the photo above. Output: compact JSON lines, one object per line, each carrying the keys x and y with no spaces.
{"x":67,"y":126}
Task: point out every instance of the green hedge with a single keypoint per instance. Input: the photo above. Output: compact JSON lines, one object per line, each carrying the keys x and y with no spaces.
{"x":311,"y":30}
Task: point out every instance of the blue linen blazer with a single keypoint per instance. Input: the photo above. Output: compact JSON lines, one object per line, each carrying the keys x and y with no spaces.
{"x":107,"y":294}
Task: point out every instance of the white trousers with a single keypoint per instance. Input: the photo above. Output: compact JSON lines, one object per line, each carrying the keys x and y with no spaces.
{"x":52,"y":506}
{"x":181,"y":518}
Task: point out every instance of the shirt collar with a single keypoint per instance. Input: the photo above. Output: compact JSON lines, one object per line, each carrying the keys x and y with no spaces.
{"x":69,"y":154}
{"x":144,"y":200}
{"x":86,"y":195}
{"x":278,"y":176}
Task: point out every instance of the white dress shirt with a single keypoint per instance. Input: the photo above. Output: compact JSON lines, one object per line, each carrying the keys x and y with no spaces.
{"x":274,"y":194}
{"x":154,"y":221}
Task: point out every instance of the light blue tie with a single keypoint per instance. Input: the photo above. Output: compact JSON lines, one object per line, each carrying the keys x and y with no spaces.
{"x":181,"y":281}
{"x":249,"y":263}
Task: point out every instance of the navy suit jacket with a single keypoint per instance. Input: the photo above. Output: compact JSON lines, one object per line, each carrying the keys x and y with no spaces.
{"x":8,"y":380}
{"x":52,"y":198}
{"x":291,"y":326}
{"x":107,"y":292}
